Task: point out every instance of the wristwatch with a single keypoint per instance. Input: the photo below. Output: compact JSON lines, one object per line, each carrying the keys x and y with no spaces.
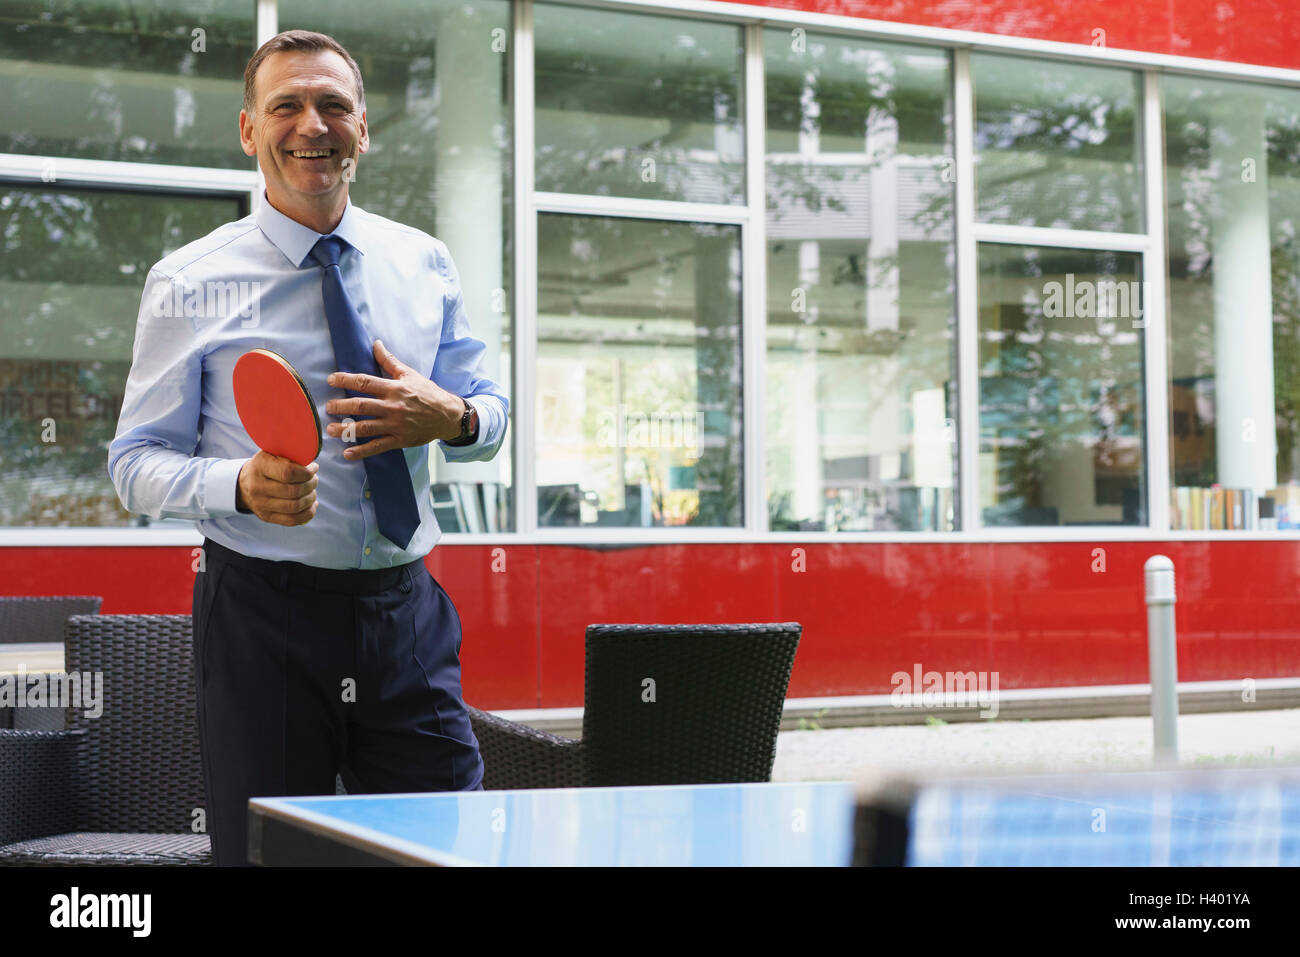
{"x":468,"y":425}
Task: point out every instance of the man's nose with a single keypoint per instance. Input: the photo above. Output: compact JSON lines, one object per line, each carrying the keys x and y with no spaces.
{"x":311,"y":123}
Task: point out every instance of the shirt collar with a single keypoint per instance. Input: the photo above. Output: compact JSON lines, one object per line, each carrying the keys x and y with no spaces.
{"x":296,"y":240}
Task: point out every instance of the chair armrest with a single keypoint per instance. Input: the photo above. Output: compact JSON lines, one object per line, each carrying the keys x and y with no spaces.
{"x":38,"y":784}
{"x":517,"y":756}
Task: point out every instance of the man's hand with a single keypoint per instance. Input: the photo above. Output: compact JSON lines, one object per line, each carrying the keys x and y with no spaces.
{"x":277,"y":490}
{"x":409,"y":410}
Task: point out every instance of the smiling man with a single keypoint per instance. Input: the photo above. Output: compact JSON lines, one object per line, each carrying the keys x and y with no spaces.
{"x":322,"y":645}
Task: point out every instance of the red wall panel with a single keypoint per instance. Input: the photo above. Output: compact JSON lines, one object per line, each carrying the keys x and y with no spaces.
{"x":1265,"y":32}
{"x":1036,"y":613}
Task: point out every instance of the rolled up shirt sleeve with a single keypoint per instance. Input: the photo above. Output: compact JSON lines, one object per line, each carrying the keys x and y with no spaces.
{"x":460,"y":367}
{"x":151,"y":458}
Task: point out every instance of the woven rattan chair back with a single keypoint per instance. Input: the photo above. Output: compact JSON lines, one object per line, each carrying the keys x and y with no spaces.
{"x":684,"y":704}
{"x":40,"y":618}
{"x":141,"y":753}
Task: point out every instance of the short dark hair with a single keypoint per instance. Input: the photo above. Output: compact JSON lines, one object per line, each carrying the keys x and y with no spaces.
{"x":304,"y":40}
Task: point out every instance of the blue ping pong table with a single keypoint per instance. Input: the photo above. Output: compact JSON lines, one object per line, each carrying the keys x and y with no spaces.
{"x":769,"y":824}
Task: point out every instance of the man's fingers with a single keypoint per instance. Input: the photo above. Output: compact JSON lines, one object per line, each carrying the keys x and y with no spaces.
{"x":358,"y":429}
{"x":273,"y":489}
{"x":290,"y":506}
{"x":358,"y":405}
{"x":302,"y":518}
{"x":359,"y":382}
{"x":280,"y":469}
{"x":285,"y":470}
{"x":355,"y":453}
{"x":282,"y":492}
{"x":287,"y":518}
{"x":388,"y":361}
{"x":266,"y":493}
{"x":279,"y":477}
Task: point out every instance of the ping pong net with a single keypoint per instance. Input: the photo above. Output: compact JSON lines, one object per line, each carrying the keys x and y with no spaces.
{"x":1240,"y":816}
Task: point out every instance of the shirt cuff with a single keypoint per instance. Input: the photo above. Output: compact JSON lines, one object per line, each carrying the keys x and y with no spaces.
{"x":219,"y":488}
{"x":482,"y":427}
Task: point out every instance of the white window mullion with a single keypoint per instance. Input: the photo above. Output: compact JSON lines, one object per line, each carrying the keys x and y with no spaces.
{"x":267,"y":26}
{"x":968,"y":400}
{"x":524,"y":362}
{"x":1061,"y":238}
{"x":754,"y":284}
{"x":90,"y":172}
{"x":590,"y":204}
{"x":1154,"y":307}
{"x":268,"y":20}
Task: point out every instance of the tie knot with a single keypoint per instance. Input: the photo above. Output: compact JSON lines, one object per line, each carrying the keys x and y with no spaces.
{"x":327,"y":250}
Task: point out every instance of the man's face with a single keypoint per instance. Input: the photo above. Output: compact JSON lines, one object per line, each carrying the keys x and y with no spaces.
{"x":306,"y":122}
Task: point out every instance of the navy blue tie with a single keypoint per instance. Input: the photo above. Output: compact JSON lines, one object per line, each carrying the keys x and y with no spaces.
{"x":390,"y":480}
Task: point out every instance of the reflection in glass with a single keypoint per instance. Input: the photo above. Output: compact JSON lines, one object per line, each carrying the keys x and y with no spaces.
{"x":71,"y":275}
{"x":122,"y":80}
{"x":1057,"y":144}
{"x":637,"y":105}
{"x":858,"y":384}
{"x":1233,"y":165}
{"x":1062,"y":407}
{"x":638,"y":373}
{"x":439,"y":116}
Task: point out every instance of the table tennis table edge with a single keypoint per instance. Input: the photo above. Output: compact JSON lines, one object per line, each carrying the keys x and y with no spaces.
{"x":287,"y":811}
{"x":395,"y":849}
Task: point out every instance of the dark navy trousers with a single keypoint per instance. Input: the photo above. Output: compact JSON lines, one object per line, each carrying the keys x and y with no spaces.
{"x":304,"y":673}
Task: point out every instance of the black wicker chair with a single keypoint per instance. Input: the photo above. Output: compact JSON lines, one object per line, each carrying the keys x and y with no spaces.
{"x":40,"y":618}
{"x":122,"y":788}
{"x":718,"y":693}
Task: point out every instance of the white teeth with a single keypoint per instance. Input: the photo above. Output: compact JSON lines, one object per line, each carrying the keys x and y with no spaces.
{"x":310,"y":154}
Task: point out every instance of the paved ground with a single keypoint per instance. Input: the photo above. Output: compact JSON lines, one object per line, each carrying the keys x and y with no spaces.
{"x":1098,"y":744}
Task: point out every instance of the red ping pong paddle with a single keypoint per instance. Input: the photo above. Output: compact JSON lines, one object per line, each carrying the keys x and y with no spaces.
{"x":275,"y":406}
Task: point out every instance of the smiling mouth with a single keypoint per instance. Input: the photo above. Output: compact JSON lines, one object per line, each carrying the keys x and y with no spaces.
{"x":311,"y":154}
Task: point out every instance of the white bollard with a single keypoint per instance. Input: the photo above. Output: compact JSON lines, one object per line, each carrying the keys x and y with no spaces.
{"x":1163,"y":650}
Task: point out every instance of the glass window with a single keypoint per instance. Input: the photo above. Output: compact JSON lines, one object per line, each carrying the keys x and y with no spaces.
{"x":859,"y":396}
{"x":636,"y":105}
{"x":1233,"y":167}
{"x":1057,"y":144}
{"x":1062,"y":407}
{"x":437,"y":84}
{"x":74,"y":264}
{"x":121,"y":80}
{"x":638,"y":373}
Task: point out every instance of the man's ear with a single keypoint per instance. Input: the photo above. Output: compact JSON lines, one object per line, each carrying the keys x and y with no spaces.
{"x":246,"y":141}
{"x":363,"y":141}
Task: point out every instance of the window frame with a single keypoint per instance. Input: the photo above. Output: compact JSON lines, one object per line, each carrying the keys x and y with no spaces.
{"x":1149,"y":245}
{"x":244,"y":186}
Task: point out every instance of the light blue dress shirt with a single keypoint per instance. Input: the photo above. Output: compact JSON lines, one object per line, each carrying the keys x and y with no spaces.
{"x":179,"y":444}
